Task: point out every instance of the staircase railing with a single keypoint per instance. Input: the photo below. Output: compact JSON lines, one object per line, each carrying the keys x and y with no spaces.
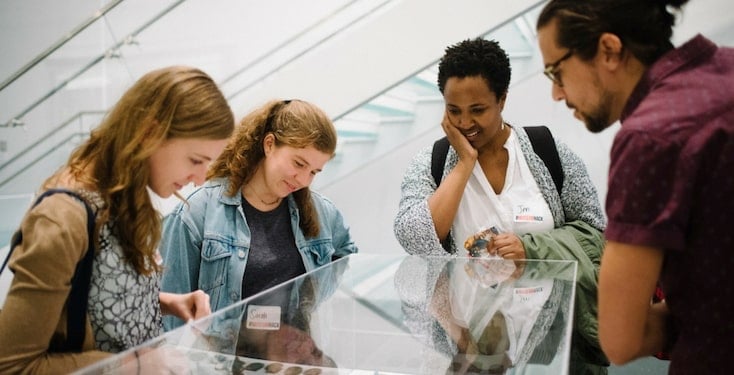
{"x":73,"y":33}
{"x":111,"y":52}
{"x":65,"y":141}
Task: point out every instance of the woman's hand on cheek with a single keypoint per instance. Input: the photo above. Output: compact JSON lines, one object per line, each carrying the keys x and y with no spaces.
{"x":458,"y":141}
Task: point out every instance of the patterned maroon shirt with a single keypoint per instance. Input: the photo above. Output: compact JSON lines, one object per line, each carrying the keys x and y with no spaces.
{"x":671,"y":186}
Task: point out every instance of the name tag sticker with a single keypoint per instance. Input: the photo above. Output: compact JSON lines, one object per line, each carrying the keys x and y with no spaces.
{"x":263,"y":317}
{"x":525,"y":214}
{"x":528,"y":294}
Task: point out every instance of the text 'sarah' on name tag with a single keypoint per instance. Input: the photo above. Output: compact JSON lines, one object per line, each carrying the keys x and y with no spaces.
{"x":263,"y":317}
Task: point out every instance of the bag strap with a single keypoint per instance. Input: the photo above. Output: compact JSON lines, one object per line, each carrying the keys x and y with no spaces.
{"x":541,"y":139}
{"x":76,"y":317}
{"x":544,"y":145}
{"x":438,"y":159}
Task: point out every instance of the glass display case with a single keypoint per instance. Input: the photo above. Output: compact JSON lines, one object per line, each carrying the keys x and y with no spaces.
{"x":381,"y":314}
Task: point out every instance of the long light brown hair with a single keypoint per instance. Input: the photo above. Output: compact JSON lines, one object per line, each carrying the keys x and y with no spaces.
{"x":172,"y":102}
{"x":293,"y":123}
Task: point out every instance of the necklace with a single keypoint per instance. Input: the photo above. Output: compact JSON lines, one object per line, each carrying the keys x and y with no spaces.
{"x":277,"y":199}
{"x":270,"y":203}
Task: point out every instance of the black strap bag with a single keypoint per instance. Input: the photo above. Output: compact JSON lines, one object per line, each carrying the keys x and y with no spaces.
{"x":76,"y":317}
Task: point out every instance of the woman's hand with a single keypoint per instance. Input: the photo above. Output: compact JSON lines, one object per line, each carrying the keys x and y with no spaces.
{"x":507,"y":246}
{"x":466,"y":152}
{"x":187,"y":306}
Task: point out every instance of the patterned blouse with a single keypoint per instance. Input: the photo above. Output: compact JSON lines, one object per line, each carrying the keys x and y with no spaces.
{"x":124,"y":306}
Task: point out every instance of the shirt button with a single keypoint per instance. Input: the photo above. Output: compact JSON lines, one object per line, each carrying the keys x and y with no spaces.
{"x":241,"y":254}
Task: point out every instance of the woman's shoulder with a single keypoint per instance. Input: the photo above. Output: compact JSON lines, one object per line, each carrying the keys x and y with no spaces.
{"x":56,"y":217}
{"x":565,"y":153}
{"x":324,"y":205}
{"x":422,"y":161}
{"x":200,"y":197}
{"x":211,"y":187}
{"x":321,"y":200}
{"x":65,"y":203}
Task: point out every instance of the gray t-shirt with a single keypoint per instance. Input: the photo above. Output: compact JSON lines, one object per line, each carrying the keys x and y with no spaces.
{"x":273,"y":257}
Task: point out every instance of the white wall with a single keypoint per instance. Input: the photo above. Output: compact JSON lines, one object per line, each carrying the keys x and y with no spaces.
{"x":412,"y":35}
{"x":369,"y":197}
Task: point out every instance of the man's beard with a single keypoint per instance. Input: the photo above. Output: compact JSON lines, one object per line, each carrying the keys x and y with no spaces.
{"x":600,"y":119}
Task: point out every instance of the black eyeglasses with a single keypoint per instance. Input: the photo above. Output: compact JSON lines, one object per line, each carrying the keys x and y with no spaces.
{"x":551,"y":70}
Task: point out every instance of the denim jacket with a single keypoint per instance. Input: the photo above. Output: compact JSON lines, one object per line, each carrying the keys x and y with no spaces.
{"x":206,"y":241}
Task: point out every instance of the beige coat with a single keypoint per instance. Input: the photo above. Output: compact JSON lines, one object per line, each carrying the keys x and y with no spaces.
{"x":34,"y":314}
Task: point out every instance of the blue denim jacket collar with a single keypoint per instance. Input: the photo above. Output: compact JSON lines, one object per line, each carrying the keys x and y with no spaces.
{"x":224,"y":198}
{"x":236,"y":201}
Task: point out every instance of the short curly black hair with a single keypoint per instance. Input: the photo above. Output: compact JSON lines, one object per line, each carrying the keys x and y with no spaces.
{"x":476,"y":57}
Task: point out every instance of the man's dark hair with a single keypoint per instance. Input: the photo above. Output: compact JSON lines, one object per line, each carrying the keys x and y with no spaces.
{"x":644,"y":26}
{"x":476,"y":57}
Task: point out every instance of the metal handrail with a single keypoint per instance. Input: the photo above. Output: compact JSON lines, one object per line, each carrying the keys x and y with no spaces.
{"x":110,"y":52}
{"x":290,"y":40}
{"x":74,"y":32}
{"x":15,"y":121}
{"x":42,"y":156}
{"x":49,"y":134}
{"x":288,"y":61}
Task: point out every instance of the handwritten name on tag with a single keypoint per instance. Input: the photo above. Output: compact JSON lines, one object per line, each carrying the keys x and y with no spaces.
{"x":263,"y":317}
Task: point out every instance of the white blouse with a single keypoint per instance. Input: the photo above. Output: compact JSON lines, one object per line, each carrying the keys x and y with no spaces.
{"x":519,"y":208}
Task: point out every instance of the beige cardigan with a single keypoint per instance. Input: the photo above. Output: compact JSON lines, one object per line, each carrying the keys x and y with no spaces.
{"x":34,"y":314}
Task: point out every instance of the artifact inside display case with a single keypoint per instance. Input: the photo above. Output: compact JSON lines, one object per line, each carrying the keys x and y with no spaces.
{"x":368,"y":314}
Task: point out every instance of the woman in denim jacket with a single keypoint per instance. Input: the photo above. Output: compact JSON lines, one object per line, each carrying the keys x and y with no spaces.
{"x":256,"y":223}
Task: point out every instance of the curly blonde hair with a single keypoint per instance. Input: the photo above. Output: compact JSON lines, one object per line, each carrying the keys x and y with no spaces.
{"x":172,"y":102}
{"x":294,"y":123}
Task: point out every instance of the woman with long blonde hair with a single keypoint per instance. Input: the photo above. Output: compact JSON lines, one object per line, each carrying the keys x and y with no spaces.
{"x":161,"y":135}
{"x":256,"y":223}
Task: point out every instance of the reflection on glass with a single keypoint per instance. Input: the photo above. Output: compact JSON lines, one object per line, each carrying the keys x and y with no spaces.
{"x":276,"y":326}
{"x":377,"y":313}
{"x":491,"y":316}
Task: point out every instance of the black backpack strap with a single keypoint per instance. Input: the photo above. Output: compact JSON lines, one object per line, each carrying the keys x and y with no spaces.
{"x":76,"y":317}
{"x":438,"y":158}
{"x":13,"y":242}
{"x":79,"y":294}
{"x":544,"y":145}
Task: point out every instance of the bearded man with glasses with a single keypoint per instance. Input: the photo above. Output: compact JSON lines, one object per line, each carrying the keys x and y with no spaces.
{"x":670,"y":180}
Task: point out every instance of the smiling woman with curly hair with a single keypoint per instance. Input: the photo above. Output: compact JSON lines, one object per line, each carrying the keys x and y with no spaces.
{"x":257,"y":223}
